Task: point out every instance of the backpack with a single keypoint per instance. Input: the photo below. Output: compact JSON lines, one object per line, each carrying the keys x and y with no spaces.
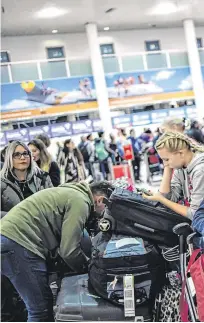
{"x":84,"y":152}
{"x":101,"y":153}
{"x":130,"y":214}
{"x":114,"y":257}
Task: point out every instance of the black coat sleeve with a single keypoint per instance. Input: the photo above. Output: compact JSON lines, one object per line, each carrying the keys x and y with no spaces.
{"x":54,"y":173}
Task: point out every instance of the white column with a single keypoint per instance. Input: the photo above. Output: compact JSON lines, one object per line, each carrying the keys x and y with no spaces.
{"x":195,"y":67}
{"x":99,"y":77}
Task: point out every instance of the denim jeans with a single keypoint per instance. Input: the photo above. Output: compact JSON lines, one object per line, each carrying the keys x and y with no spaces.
{"x":28,"y":274}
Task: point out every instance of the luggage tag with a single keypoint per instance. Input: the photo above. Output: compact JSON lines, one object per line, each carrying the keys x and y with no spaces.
{"x":129,"y":296}
{"x":192,"y":286}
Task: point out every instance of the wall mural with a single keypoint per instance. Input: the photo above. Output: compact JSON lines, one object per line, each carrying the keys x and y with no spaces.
{"x":58,"y":96}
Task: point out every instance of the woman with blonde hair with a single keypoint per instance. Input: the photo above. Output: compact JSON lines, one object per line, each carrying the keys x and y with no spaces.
{"x":44,"y":160}
{"x":20,"y":176}
{"x":175,"y":124}
{"x":186,"y":161}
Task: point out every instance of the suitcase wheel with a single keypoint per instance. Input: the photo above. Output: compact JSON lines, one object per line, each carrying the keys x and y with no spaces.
{"x":104,"y":225}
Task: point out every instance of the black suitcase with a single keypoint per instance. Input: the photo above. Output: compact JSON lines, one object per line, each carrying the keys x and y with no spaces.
{"x":77,"y":301}
{"x":130,"y":214}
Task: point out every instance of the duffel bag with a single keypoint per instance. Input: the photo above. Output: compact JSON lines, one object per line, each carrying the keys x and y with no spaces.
{"x":130,"y":214}
{"x":114,"y":257}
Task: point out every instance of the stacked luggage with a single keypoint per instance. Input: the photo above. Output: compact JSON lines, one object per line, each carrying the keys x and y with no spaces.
{"x":134,"y":270}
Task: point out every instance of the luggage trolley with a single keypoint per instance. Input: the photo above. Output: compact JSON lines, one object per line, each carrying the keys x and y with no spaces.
{"x":153,"y":166}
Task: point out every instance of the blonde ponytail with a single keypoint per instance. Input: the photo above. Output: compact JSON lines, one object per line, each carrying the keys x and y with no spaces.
{"x":175,"y":141}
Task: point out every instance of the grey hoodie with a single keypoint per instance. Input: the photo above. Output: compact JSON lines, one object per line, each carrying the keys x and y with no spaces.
{"x":188,"y":184}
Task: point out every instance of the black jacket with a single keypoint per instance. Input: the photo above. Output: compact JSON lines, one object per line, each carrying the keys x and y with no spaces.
{"x":54,"y":173}
{"x":11,"y":194}
{"x":196,"y":134}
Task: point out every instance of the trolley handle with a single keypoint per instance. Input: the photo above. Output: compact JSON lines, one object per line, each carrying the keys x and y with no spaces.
{"x":182,"y":230}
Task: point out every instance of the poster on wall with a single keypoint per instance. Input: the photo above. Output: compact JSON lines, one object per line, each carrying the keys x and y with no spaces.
{"x":149,"y":86}
{"x":57,"y":96}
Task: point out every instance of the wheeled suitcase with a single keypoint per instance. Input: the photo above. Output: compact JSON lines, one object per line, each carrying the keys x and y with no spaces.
{"x":130,"y":214}
{"x":77,"y":301}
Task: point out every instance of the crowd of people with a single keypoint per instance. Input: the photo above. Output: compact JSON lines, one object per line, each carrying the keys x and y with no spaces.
{"x":39,"y":223}
{"x":96,"y":156}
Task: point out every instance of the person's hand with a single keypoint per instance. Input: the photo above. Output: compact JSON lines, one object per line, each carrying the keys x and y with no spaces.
{"x":156,"y":197}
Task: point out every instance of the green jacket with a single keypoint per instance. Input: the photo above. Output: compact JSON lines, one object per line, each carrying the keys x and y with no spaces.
{"x":50,"y":219}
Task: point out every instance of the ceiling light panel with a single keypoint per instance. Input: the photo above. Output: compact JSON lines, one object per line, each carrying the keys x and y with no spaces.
{"x":51,"y":12}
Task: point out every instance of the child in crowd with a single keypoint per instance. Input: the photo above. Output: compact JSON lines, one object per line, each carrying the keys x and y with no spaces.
{"x":187,"y":183}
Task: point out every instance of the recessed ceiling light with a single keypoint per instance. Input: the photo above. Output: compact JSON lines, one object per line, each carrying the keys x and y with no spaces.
{"x":51,"y":12}
{"x":106,"y":28}
{"x":166,"y":8}
{"x":54,"y":31}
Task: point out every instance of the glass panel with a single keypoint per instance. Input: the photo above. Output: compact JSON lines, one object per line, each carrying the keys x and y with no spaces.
{"x":179,"y":59}
{"x":53,"y":69}
{"x":110,"y":64}
{"x":156,"y":61}
{"x":132,"y":63}
{"x":4,"y":74}
{"x":201,"y":53}
{"x":24,"y":72}
{"x":80,"y":67}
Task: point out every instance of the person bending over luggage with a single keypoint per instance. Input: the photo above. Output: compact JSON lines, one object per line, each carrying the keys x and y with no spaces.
{"x":47,"y":221}
{"x":187,"y":183}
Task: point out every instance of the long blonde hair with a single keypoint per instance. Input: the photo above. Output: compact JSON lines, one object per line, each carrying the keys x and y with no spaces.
{"x":175,"y":141}
{"x":8,"y":163}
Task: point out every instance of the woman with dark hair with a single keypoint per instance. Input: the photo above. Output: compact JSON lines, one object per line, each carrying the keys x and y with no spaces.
{"x":44,"y":160}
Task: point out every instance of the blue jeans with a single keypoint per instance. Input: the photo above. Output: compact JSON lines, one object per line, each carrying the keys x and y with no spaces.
{"x":28,"y":274}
